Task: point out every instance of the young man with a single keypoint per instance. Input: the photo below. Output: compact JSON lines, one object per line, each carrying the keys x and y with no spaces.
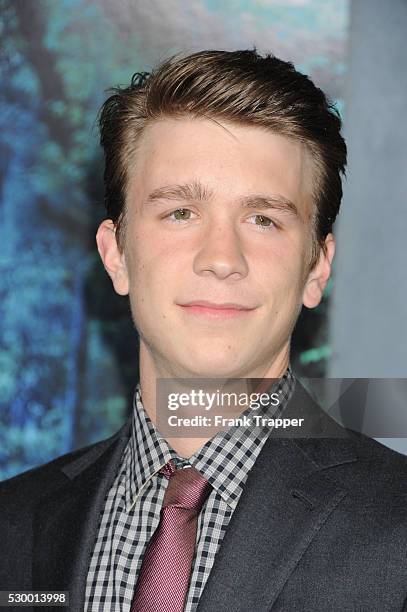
{"x":223,"y":180}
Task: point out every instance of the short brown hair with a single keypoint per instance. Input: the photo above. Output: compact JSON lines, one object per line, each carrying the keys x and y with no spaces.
{"x":235,"y":86}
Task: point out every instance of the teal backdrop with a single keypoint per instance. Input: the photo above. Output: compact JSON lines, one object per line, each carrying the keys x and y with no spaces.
{"x":68,"y":349}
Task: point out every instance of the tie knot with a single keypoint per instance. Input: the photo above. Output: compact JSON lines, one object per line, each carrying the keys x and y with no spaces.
{"x":186,"y":488}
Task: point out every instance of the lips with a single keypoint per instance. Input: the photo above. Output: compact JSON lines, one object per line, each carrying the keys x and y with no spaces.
{"x":216,"y":312}
{"x":218,"y":306}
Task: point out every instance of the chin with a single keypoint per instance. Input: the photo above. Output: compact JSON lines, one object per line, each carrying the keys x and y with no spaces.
{"x":211,"y":367}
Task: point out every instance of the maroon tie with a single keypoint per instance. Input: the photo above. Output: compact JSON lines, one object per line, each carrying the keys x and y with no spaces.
{"x":164,"y":575}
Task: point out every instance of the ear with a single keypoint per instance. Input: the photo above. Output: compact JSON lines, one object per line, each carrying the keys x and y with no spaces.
{"x":113,"y":261}
{"x":319,"y":275}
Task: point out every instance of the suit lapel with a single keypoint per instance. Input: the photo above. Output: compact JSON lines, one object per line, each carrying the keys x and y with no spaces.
{"x":66,"y":520}
{"x":286,"y":500}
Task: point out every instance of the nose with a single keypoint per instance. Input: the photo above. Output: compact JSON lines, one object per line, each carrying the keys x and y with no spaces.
{"x":220,"y":253}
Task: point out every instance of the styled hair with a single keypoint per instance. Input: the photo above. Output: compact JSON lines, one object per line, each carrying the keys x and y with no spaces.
{"x":234,"y":86}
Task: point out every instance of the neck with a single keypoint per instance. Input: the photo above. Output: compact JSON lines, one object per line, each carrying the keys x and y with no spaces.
{"x":149,"y":372}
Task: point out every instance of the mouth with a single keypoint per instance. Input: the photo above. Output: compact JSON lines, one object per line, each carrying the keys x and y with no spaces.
{"x":213,"y":311}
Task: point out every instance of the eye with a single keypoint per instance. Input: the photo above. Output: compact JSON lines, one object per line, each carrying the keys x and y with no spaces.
{"x":269,"y":225}
{"x":182,"y":218}
{"x":181,"y":214}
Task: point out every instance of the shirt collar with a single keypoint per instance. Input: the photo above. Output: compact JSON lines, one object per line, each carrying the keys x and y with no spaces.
{"x":147,"y":452}
{"x":225,"y":460}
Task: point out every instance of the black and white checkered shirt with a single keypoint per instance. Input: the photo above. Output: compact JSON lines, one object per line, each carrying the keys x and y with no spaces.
{"x":132,"y":508}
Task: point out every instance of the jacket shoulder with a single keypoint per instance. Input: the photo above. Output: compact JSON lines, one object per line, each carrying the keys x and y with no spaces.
{"x":22,"y":490}
{"x":387,"y":463}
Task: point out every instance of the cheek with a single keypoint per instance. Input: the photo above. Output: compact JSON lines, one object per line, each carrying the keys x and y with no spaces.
{"x":284,"y":287}
{"x":281,"y":266}
{"x":153,"y":272}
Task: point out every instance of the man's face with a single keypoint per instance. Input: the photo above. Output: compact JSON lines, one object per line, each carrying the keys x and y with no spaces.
{"x":224,"y":246}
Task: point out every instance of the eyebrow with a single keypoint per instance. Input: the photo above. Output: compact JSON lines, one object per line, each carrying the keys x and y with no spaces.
{"x":199,"y":193}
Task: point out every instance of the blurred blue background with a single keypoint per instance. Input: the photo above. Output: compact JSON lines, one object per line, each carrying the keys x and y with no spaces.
{"x":68,"y":350}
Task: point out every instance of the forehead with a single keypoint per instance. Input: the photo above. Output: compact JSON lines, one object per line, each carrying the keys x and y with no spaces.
{"x":230,"y":160}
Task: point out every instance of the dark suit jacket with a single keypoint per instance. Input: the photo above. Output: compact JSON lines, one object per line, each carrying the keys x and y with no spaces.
{"x":321,"y":525}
